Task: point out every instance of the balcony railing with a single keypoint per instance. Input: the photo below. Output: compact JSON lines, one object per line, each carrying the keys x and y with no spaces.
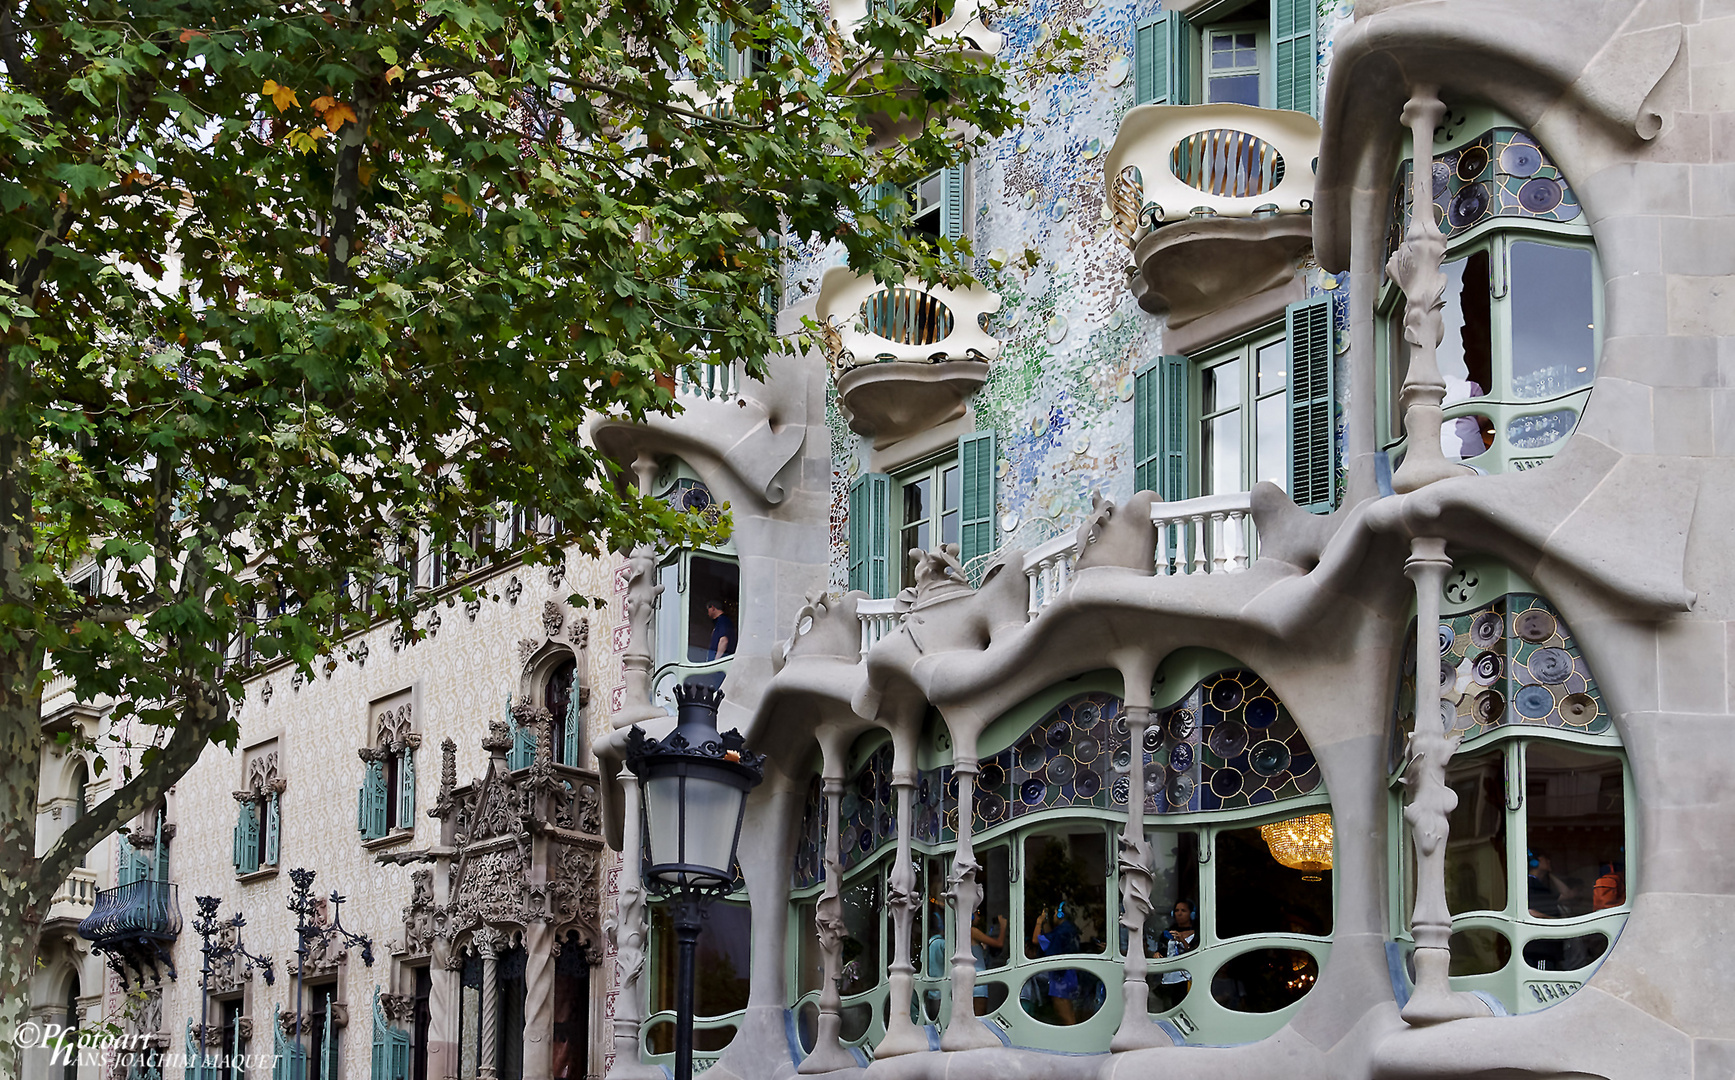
{"x":868,"y":323}
{"x":878,"y":618}
{"x":712,"y":382}
{"x":138,"y":910}
{"x":75,"y":899}
{"x":1175,"y":162}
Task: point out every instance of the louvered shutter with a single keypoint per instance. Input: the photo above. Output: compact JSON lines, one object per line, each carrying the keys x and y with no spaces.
{"x":523,"y":741}
{"x":1160,"y":428}
{"x":772,"y":295}
{"x":1292,"y":50}
{"x":717,"y":47}
{"x":247,"y":838}
{"x":1311,"y":398}
{"x":1162,"y":68}
{"x":273,"y":828}
{"x":869,"y":538}
{"x":407,"y":789}
{"x":289,"y":1056}
{"x":976,"y":463}
{"x":569,"y":739}
{"x":391,"y":1047}
{"x":952,"y":209}
{"x":131,"y":865}
{"x":372,"y":802}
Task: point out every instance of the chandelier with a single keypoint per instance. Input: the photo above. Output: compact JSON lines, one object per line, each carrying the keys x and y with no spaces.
{"x":1301,"y":843}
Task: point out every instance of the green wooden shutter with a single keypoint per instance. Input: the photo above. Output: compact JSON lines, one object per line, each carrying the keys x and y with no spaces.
{"x":273,"y":828}
{"x":1312,"y":432}
{"x":977,"y":506}
{"x":391,"y":1047}
{"x":247,"y":837}
{"x":569,"y":740}
{"x":772,"y":296}
{"x":407,"y":789}
{"x":1162,"y":60}
{"x":132,"y":862}
{"x":870,"y":500}
{"x":523,"y":741}
{"x":717,"y":47}
{"x":952,"y":208}
{"x":159,"y":856}
{"x":1292,"y":50}
{"x":1160,"y":428}
{"x":289,"y":1057}
{"x":371,"y":802}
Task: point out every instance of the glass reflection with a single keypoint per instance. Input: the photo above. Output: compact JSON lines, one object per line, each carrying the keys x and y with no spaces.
{"x":860,"y":949}
{"x":990,"y":933}
{"x":1065,"y":892}
{"x":1553,"y":319}
{"x":1256,"y":894}
{"x":1476,"y":855}
{"x":1576,"y":820}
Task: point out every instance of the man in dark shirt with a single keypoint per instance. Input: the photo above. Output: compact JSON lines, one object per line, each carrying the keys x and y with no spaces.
{"x":722,"y":631}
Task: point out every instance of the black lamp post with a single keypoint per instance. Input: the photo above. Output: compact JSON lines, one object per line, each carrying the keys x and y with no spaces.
{"x":215,"y":950}
{"x":695,"y":783}
{"x":309,"y":935}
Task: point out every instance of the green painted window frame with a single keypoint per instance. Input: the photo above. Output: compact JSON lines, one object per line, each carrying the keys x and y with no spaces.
{"x":1310,"y":387}
{"x":1160,"y":426}
{"x":245,"y":854}
{"x":949,"y":212}
{"x":1246,"y":351}
{"x":372,"y":802}
{"x":1501,"y":404}
{"x":1202,"y":71}
{"x":934,"y":470}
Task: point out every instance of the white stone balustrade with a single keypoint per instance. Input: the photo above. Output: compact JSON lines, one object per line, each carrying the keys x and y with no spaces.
{"x":1048,"y":570}
{"x":878,"y":618}
{"x":75,"y":898}
{"x":1208,"y":535}
{"x":951,"y":331}
{"x":1173,"y":162}
{"x":713,"y":382}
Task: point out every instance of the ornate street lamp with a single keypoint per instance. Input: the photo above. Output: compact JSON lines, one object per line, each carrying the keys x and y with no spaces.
{"x":217,"y":946}
{"x":312,"y":936}
{"x":696,"y":783}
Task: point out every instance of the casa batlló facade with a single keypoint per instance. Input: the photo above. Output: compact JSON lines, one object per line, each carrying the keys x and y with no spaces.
{"x":1283,"y":633}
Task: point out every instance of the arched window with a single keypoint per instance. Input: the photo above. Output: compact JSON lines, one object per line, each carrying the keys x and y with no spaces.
{"x":1523,"y":301}
{"x":1540,"y":844}
{"x":697,"y":625}
{"x":80,"y":786}
{"x":561,"y":698}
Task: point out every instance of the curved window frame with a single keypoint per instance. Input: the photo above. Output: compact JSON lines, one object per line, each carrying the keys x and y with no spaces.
{"x":703,"y":1055}
{"x":1501,"y":403}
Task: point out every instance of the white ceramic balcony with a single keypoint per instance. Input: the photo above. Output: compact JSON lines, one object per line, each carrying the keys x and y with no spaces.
{"x":906,"y":357}
{"x":75,"y":898}
{"x":1215,"y":202}
{"x":1208,"y":535}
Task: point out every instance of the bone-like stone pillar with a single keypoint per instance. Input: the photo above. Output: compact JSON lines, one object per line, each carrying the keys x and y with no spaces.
{"x":963,"y":1030}
{"x":1136,"y":1030}
{"x":903,"y":1036}
{"x":1431,"y":802}
{"x":538,"y":991}
{"x":1415,"y":266}
{"x":828,"y":1051}
{"x":626,"y":926}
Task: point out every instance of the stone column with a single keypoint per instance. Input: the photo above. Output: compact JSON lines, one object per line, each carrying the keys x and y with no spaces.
{"x":1415,"y":266}
{"x":903,"y":1036}
{"x":538,"y":996}
{"x":1431,"y":802}
{"x":626,"y":929}
{"x":444,"y":967}
{"x":488,"y":1046}
{"x":828,"y":1052}
{"x":963,"y":1030}
{"x":1136,"y":1030}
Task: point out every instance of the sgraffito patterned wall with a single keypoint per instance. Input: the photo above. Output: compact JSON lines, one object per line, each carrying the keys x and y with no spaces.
{"x":463,"y":673}
{"x":1060,"y":395}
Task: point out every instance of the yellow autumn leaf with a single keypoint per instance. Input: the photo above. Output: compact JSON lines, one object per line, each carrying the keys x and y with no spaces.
{"x":394,"y":74}
{"x":322,"y":103}
{"x":281,"y":96}
{"x":366,"y":173}
{"x":302,"y":141}
{"x":454,"y":200}
{"x":336,"y":116}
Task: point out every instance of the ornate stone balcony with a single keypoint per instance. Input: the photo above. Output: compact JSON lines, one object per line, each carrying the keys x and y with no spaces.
{"x":906,"y":357}
{"x":1215,"y":202}
{"x":74,"y":900}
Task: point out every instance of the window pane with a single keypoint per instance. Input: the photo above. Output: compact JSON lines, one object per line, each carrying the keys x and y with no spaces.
{"x":1273,"y":364}
{"x":1222,"y":386}
{"x":1576,"y":812}
{"x":724,"y":952}
{"x":1465,"y":354}
{"x":1397,"y":367}
{"x":1239,"y":89}
{"x":1222,"y":51}
{"x":1476,"y":857}
{"x":1553,"y":332}
{"x":918,"y":499}
{"x":1065,"y":890}
{"x":809,"y":965}
{"x":1256,"y":894}
{"x":1170,"y":929}
{"x":949,"y":528}
{"x":951,"y":487}
{"x":991,"y":933}
{"x":715,"y":586}
{"x":1222,"y":454}
{"x":861,"y":942}
{"x":1271,"y":441}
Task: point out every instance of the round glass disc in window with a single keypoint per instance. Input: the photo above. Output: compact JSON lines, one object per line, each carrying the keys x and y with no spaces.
{"x":1032,"y":757}
{"x":1261,"y":712}
{"x":1534,"y":625}
{"x":1488,"y":668}
{"x":1179,"y":791}
{"x":1181,"y":757}
{"x":1227,"y":694}
{"x":1539,"y":194}
{"x":1472,"y":162}
{"x":990,"y":807}
{"x":1086,"y":749}
{"x":1226,"y":782}
{"x":1060,"y":770}
{"x":991,"y":776}
{"x":1485,"y":630}
{"x":1490,"y":706}
{"x":1032,"y":791}
{"x":1153,"y":740}
{"x":1550,"y":665}
{"x":1469,"y":206}
{"x":1447,"y":636}
{"x":1269,"y":758}
{"x":1520,"y":159}
{"x":1088,"y":714}
{"x":1122,"y":758}
{"x":1088,"y":784}
{"x":1578,"y":709}
{"x":1533,"y":702}
{"x":1181,"y":724}
{"x":1058,"y":732}
{"x":1228,"y":739}
{"x":1120,"y":788}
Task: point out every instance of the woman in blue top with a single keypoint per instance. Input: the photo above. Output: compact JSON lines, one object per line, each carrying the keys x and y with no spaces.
{"x":1054,"y":937}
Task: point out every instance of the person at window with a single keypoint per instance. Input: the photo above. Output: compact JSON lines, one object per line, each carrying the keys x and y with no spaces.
{"x":1054,"y":936}
{"x":723,"y":636}
{"x":1181,"y":937}
{"x":981,"y":942}
{"x":1610,"y":889}
{"x":936,"y":959}
{"x":1546,"y":888}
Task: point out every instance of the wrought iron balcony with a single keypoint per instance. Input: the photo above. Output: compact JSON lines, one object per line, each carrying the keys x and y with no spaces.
{"x":135,"y":924}
{"x":1213,"y":200}
{"x":905,"y":356}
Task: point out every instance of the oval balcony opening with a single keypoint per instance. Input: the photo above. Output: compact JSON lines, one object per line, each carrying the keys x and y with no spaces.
{"x":906,"y":316}
{"x":1227,"y":163}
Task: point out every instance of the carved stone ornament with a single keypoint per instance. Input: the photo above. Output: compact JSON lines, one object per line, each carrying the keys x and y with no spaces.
{"x":514,"y":589}
{"x":295,"y":682}
{"x":400,"y":1009}
{"x":443,"y":802}
{"x":360,"y":653}
{"x":419,"y":914}
{"x":939,"y":576}
{"x":244,"y":1028}
{"x":434,"y":622}
{"x":553,"y":617}
{"x":581,"y":634}
{"x":526,"y":649}
{"x":265,"y":692}
{"x":557,"y":571}
{"x":472,"y":608}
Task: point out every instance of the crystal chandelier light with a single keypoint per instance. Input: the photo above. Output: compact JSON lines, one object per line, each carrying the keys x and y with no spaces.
{"x":1301,"y":843}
